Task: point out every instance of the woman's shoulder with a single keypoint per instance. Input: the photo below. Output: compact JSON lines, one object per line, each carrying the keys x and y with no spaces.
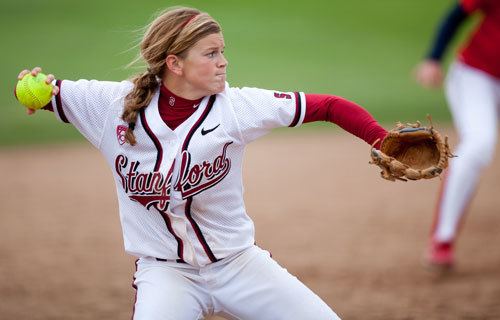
{"x":236,"y":91}
{"x":99,"y":85}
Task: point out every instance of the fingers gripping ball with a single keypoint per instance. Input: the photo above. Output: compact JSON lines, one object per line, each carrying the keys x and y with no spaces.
{"x":412,"y":152}
{"x":33,"y":92}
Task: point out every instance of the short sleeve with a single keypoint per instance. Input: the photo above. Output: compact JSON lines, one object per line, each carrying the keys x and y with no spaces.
{"x":86,"y":104}
{"x":258,"y":111}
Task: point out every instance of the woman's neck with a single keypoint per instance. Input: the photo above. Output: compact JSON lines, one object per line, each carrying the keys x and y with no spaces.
{"x":169,"y":98}
{"x":180,"y":88}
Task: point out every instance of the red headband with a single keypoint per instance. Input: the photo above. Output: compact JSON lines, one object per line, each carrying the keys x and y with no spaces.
{"x":188,"y":21}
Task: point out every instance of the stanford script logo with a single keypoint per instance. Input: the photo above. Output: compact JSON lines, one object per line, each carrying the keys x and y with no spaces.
{"x":152,"y":189}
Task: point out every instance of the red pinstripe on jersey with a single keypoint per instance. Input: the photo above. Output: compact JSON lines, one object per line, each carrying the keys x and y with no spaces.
{"x":189,"y":201}
{"x":159,"y":148}
{"x":159,"y":157}
{"x":180,"y":244}
{"x":199,"y":122}
{"x":198,"y":232}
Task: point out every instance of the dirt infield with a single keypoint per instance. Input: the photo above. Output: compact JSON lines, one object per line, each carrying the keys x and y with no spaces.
{"x":318,"y":207}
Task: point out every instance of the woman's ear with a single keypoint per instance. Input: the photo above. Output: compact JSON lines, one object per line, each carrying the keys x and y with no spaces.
{"x":174,"y":64}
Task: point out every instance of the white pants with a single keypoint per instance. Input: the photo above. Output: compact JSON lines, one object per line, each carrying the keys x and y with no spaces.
{"x":249,"y":285}
{"x":474,"y":99}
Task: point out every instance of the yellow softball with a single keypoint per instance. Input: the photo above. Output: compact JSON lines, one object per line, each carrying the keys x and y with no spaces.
{"x":33,"y":92}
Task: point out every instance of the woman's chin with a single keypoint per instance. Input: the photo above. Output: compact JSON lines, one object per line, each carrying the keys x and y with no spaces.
{"x":219,"y":88}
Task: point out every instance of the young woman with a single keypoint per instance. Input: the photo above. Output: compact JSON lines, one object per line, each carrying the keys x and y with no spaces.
{"x":174,"y":138}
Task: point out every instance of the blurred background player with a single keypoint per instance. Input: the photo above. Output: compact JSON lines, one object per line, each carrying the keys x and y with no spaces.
{"x":473,"y":95}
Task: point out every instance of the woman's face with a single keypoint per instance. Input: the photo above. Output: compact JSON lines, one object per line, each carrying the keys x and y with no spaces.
{"x":204,"y":67}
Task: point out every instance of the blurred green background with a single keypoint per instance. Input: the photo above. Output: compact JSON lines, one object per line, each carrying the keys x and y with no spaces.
{"x":363,"y":50}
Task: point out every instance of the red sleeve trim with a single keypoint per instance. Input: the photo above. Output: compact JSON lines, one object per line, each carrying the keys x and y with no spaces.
{"x":49,"y":107}
{"x":59,"y":105}
{"x":298,"y":110}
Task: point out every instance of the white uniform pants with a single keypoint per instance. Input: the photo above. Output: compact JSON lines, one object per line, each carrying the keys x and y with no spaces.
{"x":474,"y":99}
{"x":249,"y":285}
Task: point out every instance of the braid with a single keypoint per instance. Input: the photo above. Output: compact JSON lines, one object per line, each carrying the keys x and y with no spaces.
{"x":140,"y":96}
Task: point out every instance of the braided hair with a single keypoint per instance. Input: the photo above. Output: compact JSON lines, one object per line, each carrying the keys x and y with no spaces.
{"x":174,"y":31}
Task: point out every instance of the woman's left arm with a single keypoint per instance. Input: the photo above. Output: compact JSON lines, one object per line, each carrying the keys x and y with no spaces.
{"x":346,"y":114}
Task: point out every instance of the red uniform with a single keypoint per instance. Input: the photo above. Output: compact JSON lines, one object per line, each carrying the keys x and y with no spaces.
{"x":472,"y":91}
{"x":482,"y":51}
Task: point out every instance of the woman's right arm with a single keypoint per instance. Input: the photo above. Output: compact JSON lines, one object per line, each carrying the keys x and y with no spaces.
{"x":85,"y":104}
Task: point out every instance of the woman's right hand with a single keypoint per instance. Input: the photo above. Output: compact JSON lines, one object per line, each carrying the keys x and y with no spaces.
{"x":34,"y":72}
{"x":429,"y":74}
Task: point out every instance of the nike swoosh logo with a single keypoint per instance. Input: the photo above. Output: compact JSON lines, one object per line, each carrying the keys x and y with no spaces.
{"x":204,"y":132}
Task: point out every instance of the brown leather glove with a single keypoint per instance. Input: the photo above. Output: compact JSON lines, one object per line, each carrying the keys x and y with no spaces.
{"x":412,"y":152}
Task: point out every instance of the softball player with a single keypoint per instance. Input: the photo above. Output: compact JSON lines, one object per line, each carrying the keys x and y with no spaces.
{"x":174,"y":138}
{"x":473,"y":94}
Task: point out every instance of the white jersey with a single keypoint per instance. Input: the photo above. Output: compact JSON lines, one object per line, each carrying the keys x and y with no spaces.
{"x":180,"y":192}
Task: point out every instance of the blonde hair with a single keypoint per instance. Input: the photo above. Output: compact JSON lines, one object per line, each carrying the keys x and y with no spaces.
{"x":174,"y":31}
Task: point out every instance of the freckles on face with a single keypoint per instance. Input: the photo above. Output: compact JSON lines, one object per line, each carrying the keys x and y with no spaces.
{"x":204,"y":67}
